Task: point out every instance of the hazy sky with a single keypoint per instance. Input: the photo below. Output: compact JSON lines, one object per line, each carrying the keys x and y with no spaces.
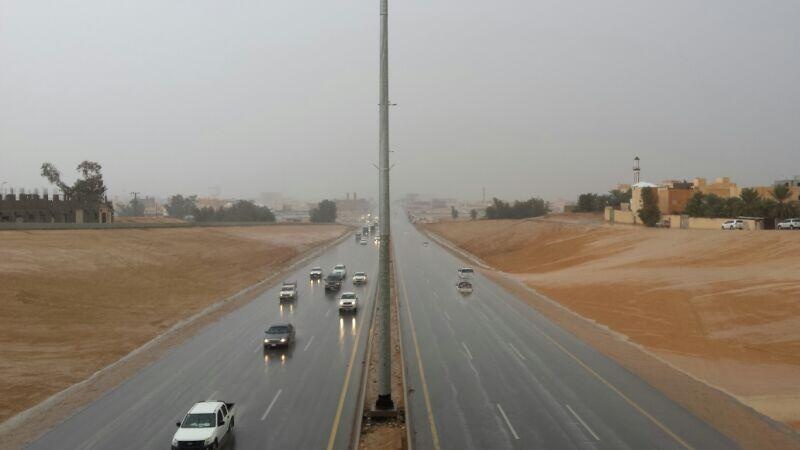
{"x":550,"y":98}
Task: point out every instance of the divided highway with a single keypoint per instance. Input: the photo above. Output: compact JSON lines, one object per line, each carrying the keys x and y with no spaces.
{"x":486,"y":371}
{"x":300,"y":398}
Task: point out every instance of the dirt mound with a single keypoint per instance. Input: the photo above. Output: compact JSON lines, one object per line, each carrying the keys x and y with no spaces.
{"x":75,"y":301}
{"x":722,"y":306}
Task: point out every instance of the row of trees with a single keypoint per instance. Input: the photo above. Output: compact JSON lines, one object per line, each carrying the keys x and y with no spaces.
{"x":749,"y":204}
{"x":533,"y":207}
{"x":240,"y":211}
{"x":589,"y":202}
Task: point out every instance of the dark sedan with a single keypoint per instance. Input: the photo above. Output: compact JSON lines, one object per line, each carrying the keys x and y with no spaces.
{"x":281,"y":335}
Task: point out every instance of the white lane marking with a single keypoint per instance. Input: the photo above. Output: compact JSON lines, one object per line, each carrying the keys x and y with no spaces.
{"x":467,"y":350}
{"x":510,"y":427}
{"x":271,"y":404}
{"x":309,"y":343}
{"x":435,"y":294}
{"x":213,"y":396}
{"x":329,"y":311}
{"x":582,"y":422}
{"x":260,"y":347}
{"x":447,"y":315}
{"x":485,"y":317}
{"x":516,"y":351}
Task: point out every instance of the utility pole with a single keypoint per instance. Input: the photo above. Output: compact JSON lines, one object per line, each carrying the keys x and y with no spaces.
{"x":384,"y":401}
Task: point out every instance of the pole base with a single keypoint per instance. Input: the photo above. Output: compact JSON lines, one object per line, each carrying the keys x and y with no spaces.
{"x":384,"y":402}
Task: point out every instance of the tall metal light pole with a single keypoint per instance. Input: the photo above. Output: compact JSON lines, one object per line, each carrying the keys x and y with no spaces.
{"x":384,"y":401}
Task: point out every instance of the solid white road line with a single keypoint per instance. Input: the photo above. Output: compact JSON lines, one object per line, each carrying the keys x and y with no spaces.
{"x":582,"y":422}
{"x":467,"y":350}
{"x":505,"y":417}
{"x":309,"y":343}
{"x":516,"y":351}
{"x":271,"y":404}
{"x":447,"y":315}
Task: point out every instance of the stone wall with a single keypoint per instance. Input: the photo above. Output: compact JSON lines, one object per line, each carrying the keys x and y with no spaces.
{"x":33,"y":208}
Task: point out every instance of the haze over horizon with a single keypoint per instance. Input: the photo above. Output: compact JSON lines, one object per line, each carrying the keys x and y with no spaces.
{"x":525,"y":98}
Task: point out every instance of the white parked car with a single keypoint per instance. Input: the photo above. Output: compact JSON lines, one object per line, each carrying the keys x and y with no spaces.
{"x":360,"y":278}
{"x":789,"y":224}
{"x":207,"y":425}
{"x":348,"y":302}
{"x":736,"y":224}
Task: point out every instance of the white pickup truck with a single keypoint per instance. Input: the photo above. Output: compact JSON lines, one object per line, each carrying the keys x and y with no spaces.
{"x":206,"y":426}
{"x":288,"y":291}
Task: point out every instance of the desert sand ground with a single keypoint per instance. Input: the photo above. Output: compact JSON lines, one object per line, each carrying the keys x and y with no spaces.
{"x":722,"y":306}
{"x":72,"y":302}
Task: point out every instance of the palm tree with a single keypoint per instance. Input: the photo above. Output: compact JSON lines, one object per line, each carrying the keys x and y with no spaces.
{"x":751,"y":201}
{"x":781,"y":194}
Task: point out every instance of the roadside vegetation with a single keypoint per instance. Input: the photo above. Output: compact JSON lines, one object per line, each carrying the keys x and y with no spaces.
{"x":649,"y":212}
{"x":240,"y":211}
{"x":533,"y":207}
{"x":325,"y":212}
{"x":589,"y":202}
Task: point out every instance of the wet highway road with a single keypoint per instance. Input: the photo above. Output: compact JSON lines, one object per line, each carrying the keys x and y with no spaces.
{"x":486,"y":371}
{"x":293,"y":399}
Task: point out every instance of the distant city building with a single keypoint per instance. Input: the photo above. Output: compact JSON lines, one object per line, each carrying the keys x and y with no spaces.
{"x":213,"y":202}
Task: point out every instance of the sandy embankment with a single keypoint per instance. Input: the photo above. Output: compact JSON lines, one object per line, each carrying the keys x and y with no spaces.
{"x":72,"y":302}
{"x":722,"y":306}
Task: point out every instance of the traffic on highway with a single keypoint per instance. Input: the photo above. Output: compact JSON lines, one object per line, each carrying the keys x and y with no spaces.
{"x":287,"y":361}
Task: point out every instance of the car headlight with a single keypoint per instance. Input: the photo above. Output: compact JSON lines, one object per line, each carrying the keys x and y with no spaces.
{"x":208,"y":441}
{"x":266,"y":341}
{"x":283,"y":339}
{"x":174,"y":442}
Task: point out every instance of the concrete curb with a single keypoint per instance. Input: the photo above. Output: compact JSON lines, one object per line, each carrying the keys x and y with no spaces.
{"x":358,"y":417}
{"x":16,"y":420}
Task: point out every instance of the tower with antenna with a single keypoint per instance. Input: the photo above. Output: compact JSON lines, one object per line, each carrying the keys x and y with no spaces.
{"x":636,"y":170}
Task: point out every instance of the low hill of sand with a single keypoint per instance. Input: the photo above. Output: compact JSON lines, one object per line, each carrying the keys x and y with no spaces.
{"x":723,"y":306}
{"x":72,"y":302}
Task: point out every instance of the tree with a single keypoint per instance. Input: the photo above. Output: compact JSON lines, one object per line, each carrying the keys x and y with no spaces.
{"x":649,"y":213}
{"x":325,"y":212}
{"x":617,"y":197}
{"x":695,"y":207}
{"x":751,"y":202}
{"x":473,"y":214}
{"x":781,"y":193}
{"x":586,"y":202}
{"x":90,"y":188}
{"x":180,"y":206}
{"x":134,"y":208}
{"x":453,"y":212}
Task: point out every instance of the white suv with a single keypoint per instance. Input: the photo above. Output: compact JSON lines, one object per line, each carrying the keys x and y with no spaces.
{"x":735,"y":224}
{"x":789,"y":224}
{"x":207,"y":425}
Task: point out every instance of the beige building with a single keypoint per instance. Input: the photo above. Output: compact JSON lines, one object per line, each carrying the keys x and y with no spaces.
{"x":721,"y":187}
